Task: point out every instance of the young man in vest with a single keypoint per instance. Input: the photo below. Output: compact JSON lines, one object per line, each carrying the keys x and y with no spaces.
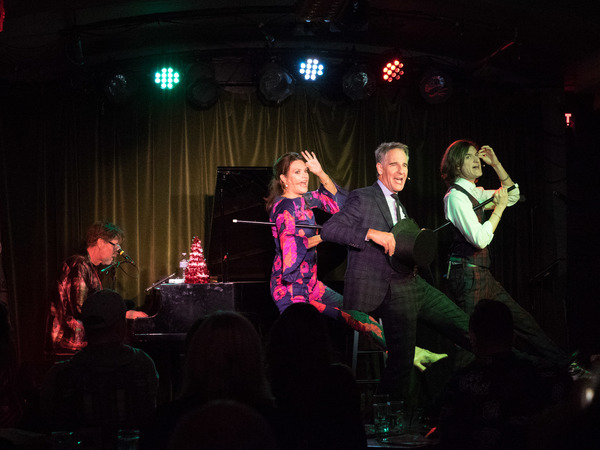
{"x":469,"y":276}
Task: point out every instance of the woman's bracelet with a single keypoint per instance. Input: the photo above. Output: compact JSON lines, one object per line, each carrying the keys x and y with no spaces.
{"x":507,"y":177}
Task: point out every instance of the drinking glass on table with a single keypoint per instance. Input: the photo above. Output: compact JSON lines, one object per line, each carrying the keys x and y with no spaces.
{"x":381,"y":412}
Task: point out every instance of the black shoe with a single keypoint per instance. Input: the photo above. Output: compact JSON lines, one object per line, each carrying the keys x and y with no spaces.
{"x":577,"y":372}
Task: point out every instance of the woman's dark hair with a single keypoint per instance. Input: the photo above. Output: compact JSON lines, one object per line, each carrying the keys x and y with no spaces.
{"x":492,"y":323}
{"x":224,"y":361}
{"x":453,"y":159}
{"x":299,"y":344}
{"x":281,"y":167}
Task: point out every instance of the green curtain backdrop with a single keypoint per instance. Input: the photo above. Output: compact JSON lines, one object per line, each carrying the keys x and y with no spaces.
{"x":69,"y":158}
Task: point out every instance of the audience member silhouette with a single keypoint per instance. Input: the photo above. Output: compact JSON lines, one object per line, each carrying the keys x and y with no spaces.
{"x":224,"y":361}
{"x":223,"y":425}
{"x":573,"y":422}
{"x":107,"y":385}
{"x":318,"y":402}
{"x":490,"y":404}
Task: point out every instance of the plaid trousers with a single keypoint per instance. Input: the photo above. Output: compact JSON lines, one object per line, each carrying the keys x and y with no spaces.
{"x":411,"y":299}
{"x":468,"y":285}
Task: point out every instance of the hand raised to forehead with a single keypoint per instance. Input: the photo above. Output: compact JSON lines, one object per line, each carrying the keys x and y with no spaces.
{"x":312,"y":162}
{"x":487,"y":155}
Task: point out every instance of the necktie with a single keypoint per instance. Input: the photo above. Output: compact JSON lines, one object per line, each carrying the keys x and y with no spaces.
{"x":398,"y":207}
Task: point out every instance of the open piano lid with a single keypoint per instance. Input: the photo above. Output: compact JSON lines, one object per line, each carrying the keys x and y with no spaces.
{"x":239,"y":194}
{"x":237,"y":251}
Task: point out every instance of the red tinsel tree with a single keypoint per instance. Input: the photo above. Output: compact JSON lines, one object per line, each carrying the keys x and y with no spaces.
{"x":197,"y":271}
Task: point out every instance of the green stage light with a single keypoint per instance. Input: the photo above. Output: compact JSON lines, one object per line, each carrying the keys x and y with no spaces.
{"x":167,"y":78}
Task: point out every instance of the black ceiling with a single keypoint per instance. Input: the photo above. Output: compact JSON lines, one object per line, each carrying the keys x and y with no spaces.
{"x":528,"y":40}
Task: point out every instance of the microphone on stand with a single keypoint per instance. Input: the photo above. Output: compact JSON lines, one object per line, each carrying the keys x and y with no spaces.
{"x":115,"y":265}
{"x":128,"y":258}
{"x":110,"y":268}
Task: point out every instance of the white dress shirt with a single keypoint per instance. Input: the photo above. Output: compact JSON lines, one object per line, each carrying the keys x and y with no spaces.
{"x":459,"y":210}
{"x":391,"y":202}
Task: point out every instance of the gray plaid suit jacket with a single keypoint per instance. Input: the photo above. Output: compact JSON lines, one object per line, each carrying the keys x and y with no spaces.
{"x":369,"y":272}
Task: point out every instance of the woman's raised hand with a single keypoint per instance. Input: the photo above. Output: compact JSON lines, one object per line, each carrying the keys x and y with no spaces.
{"x":312,"y":162}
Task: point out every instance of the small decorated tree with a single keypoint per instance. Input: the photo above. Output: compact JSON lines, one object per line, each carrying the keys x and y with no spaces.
{"x":197,"y":271}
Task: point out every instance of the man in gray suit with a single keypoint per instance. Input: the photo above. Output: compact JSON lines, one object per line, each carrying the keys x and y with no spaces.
{"x":399,"y":296}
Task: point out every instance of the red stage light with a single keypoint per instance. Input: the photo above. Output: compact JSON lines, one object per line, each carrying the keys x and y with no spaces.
{"x":393,"y":70}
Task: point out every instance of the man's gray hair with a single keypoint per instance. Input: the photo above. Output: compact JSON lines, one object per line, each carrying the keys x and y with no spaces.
{"x":385,"y":147}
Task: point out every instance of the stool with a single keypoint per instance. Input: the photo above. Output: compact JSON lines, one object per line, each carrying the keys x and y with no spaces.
{"x":377,"y":360}
{"x":368,"y":362}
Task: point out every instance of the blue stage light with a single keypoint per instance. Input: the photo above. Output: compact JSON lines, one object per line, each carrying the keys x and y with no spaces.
{"x":311,"y":69}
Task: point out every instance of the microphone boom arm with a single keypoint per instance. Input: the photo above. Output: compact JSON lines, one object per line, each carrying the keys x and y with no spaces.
{"x":316,"y":227}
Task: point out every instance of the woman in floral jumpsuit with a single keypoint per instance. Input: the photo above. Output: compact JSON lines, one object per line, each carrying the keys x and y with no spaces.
{"x":294,"y":274}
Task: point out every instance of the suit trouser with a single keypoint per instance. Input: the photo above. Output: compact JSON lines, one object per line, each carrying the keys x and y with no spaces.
{"x":468,"y":285}
{"x":410,"y":299}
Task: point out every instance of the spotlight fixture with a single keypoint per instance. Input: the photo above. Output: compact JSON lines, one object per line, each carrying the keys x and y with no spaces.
{"x":358,"y":83}
{"x":311,"y":69}
{"x":202,"y":90}
{"x":436,"y":86}
{"x":275,"y":84}
{"x":393,"y":70}
{"x":319,"y":10}
{"x":166,"y":78}
{"x":119,"y":87}
{"x":202,"y":93}
{"x":354,"y":17}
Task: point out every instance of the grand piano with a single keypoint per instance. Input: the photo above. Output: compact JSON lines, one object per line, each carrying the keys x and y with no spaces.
{"x":239,"y":256}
